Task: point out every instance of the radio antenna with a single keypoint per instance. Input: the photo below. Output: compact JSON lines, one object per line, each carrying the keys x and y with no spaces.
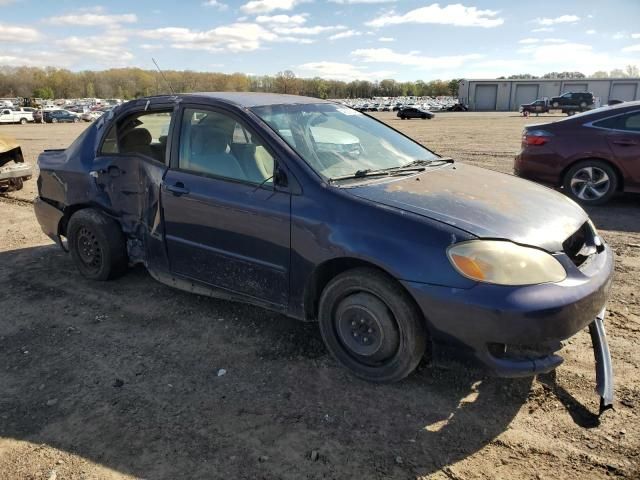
{"x":163,"y":77}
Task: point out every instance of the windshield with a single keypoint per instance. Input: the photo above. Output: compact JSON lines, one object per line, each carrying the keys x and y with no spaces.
{"x":337,"y":141}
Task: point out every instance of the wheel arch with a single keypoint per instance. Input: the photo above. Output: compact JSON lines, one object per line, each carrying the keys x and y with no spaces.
{"x":326,"y":271}
{"x":616,"y":169}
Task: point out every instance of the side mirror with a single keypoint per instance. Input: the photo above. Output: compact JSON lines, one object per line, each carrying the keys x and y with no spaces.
{"x":280,"y":178}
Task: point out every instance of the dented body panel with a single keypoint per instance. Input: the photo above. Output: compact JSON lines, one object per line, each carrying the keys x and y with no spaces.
{"x":277,"y":246}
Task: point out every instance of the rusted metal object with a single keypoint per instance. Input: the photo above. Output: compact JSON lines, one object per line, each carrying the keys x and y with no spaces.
{"x":13,"y":169}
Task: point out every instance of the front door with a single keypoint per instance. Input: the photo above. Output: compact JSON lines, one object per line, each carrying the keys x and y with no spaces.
{"x":624,"y":141}
{"x":227,"y":223}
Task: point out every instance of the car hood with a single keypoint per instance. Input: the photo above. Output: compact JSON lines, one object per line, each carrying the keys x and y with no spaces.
{"x":484,"y":203}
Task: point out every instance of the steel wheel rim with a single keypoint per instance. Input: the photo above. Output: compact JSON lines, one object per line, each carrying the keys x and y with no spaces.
{"x":371,"y":339}
{"x":590,"y":183}
{"x":88,"y":249}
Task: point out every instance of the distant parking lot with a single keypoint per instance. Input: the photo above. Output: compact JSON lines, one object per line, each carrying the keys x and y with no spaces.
{"x":121,"y":380}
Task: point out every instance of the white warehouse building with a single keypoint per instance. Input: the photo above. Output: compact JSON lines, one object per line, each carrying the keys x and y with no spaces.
{"x":508,"y":95}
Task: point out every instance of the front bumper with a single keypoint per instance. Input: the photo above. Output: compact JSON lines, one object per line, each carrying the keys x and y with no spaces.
{"x":16,"y":170}
{"x":492,"y":320}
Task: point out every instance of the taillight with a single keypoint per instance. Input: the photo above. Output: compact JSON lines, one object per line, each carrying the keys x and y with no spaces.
{"x":535,"y":137}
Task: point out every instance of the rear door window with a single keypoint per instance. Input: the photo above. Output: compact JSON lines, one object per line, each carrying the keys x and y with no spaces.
{"x":142,"y":134}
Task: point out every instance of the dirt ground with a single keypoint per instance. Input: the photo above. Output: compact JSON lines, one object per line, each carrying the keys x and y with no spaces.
{"x":121,"y":380}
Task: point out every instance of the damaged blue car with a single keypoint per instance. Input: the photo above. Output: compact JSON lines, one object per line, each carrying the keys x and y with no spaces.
{"x":315,"y":210}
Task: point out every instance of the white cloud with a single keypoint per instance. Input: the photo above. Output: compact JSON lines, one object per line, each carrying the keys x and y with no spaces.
{"x":347,"y":34}
{"x":340,"y":71}
{"x":542,"y":29}
{"x":555,"y":21}
{"x":265,"y":6}
{"x":635,"y":35}
{"x":569,"y":56}
{"x":632,"y":48}
{"x":151,"y":46}
{"x":14,"y":33}
{"x":413,"y":59}
{"x":103,"y":49}
{"x":354,"y":2}
{"x":215,"y":4}
{"x":282,"y":19}
{"x":386,"y":39}
{"x":529,"y":40}
{"x":236,"y":37}
{"x":308,"y":30}
{"x":92,"y":19}
{"x":590,"y":32}
{"x":554,"y":40}
{"x":457,"y":15}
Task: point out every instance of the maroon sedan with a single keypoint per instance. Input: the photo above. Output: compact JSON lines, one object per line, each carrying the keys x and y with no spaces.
{"x":591,"y":155}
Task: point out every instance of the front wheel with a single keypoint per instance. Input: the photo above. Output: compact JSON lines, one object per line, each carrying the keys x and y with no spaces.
{"x":54,"y":120}
{"x":555,"y":105}
{"x":371,"y":325}
{"x":97,"y":245}
{"x":23,"y":121}
{"x":591,"y":182}
{"x":76,"y":120}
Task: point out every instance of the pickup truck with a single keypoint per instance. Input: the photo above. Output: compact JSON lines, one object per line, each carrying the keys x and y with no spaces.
{"x":12,"y":116}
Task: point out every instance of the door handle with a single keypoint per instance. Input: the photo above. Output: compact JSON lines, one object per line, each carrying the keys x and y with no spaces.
{"x":178,"y":189}
{"x":625,"y":143}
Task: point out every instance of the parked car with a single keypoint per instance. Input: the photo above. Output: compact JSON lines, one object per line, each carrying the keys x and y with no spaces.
{"x":539,"y":106}
{"x":414,"y":112}
{"x":91,"y":116}
{"x":58,"y":116}
{"x":592,"y":155}
{"x":13,"y":116}
{"x":389,"y":247}
{"x":577,"y":99}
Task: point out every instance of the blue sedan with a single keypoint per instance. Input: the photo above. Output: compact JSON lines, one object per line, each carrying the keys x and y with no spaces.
{"x":320,"y":212}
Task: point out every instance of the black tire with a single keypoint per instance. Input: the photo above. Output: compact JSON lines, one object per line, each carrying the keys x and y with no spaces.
{"x":583,"y":104}
{"x":23,"y":121}
{"x":403,"y":118}
{"x":54,"y":120}
{"x":97,"y":245}
{"x":424,"y":117}
{"x":578,"y":175}
{"x":76,"y":120}
{"x":555,"y":105}
{"x":371,"y":326}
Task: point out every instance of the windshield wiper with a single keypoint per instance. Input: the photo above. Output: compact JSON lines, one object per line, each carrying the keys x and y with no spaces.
{"x":426,"y":163}
{"x":415,"y":166}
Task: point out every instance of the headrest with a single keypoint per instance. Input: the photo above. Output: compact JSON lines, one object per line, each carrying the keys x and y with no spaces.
{"x":137,"y":136}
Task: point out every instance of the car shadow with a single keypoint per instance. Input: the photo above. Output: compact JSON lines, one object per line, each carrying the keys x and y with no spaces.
{"x":620,"y":214}
{"x":158,"y":383}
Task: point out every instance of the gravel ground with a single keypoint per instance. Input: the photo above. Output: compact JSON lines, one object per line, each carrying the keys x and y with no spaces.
{"x":120,"y":380}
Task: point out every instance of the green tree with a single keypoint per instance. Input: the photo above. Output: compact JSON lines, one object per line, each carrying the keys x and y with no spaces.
{"x":43,"y":92}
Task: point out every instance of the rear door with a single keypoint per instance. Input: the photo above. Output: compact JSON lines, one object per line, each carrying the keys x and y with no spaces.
{"x":227,"y":222}
{"x":624,"y":141}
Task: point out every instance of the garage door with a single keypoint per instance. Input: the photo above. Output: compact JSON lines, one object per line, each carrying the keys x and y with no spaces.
{"x":486,"y":97}
{"x":574,"y":87}
{"x":525,"y":94}
{"x":623,"y":91}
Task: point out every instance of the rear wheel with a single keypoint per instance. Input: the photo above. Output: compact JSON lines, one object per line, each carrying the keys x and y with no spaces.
{"x":23,"y":121}
{"x":76,"y":120}
{"x":371,"y":326}
{"x":583,"y":104}
{"x":54,"y":120}
{"x":97,"y":245}
{"x":555,"y":105}
{"x":591,"y":182}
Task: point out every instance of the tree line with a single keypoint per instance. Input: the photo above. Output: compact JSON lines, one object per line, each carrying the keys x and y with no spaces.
{"x":128,"y":83}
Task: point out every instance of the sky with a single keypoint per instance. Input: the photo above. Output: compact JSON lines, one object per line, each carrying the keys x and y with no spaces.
{"x":336,"y":39}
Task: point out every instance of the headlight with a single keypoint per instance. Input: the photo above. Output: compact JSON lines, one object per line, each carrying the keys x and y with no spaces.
{"x":504,"y":263}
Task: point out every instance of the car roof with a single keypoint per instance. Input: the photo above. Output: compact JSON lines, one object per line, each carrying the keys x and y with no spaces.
{"x":255,"y":99}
